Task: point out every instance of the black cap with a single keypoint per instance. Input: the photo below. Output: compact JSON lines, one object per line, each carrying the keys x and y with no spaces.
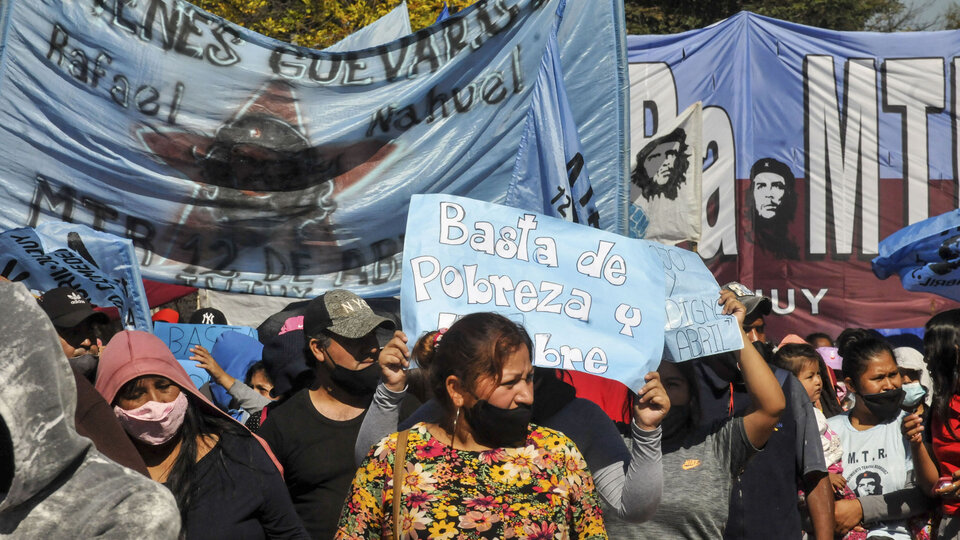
{"x":208,"y":316}
{"x":756,"y":305}
{"x":68,"y":308}
{"x":342,"y":313}
{"x":770,"y":165}
{"x":284,"y":358}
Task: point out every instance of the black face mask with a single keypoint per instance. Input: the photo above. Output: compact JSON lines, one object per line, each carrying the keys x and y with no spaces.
{"x":550,"y":394}
{"x":361,"y":382}
{"x":676,"y":421}
{"x":496,"y":427}
{"x":884,"y":405}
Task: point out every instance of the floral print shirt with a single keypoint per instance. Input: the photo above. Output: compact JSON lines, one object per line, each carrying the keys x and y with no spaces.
{"x":538,"y":492}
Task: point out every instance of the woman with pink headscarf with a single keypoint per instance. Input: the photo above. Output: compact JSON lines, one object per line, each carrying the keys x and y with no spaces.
{"x":225,"y":481}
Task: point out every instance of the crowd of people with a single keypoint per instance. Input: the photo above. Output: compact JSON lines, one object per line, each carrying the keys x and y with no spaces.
{"x":336,"y":424}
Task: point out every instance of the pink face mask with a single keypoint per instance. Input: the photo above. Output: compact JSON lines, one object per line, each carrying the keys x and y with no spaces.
{"x":154,"y":423}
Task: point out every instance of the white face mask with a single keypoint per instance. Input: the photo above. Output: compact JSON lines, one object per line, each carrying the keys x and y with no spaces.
{"x":913,"y":393}
{"x":841,"y":390}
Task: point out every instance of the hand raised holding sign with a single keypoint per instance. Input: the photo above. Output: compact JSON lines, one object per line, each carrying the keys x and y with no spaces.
{"x":732,"y":306}
{"x":653,"y":405}
{"x":394,"y":361}
{"x":206,"y":361}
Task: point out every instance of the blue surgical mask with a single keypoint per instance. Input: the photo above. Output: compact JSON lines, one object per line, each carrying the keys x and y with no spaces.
{"x":913,"y":393}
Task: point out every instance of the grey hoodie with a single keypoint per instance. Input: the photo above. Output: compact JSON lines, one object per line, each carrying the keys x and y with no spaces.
{"x":60,"y":486}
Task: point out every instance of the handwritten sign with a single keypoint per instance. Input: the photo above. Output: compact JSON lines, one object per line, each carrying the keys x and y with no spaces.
{"x":592,"y":301}
{"x":696,"y":326}
{"x":180,"y":338}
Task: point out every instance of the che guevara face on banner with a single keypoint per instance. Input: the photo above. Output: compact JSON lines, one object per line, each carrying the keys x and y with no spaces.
{"x":771,"y":203}
{"x":661,"y":167}
{"x":260,"y":180}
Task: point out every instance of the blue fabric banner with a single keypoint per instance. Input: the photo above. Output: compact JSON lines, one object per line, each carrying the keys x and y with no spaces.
{"x":816,"y":145}
{"x":239,"y":163}
{"x":550,"y":176}
{"x":592,"y":301}
{"x":391,"y":27}
{"x":101,"y":267}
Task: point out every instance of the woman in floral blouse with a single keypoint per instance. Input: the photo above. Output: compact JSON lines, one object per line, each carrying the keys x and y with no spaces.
{"x":484,"y":471}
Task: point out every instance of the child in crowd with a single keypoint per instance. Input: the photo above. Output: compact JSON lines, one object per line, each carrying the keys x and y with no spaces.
{"x":803,"y":361}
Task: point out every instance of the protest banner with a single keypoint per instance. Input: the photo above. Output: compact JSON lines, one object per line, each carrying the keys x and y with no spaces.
{"x":592,"y":301}
{"x":239,"y":163}
{"x":696,"y":326}
{"x":817,"y":144}
{"x":180,"y":338}
{"x":101,"y":267}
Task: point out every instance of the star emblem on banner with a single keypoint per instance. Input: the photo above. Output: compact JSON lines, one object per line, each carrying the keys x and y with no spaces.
{"x":259,"y":176}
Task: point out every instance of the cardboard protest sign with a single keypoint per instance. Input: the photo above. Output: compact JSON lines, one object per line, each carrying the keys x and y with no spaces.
{"x":592,"y":301}
{"x":180,"y":338}
{"x":696,"y":326}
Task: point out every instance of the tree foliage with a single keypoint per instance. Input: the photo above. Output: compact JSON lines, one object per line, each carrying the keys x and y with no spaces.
{"x":320,"y":23}
{"x":951,"y":19}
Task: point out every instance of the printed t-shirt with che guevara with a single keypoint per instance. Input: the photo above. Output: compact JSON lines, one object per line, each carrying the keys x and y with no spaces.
{"x":876,"y":461}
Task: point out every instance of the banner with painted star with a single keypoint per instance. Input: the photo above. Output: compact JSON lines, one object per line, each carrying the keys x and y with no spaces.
{"x":239,"y":163}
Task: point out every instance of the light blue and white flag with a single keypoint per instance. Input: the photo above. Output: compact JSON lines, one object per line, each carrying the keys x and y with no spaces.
{"x":925,"y":255}
{"x":550,"y":174}
{"x":100,"y":266}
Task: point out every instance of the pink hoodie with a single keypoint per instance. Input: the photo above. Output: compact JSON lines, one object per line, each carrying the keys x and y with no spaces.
{"x":134,"y":353}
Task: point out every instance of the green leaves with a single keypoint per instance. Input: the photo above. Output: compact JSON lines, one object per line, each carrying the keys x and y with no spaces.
{"x":320,"y":23}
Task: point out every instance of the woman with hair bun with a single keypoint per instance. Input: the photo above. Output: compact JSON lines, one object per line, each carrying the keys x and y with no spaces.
{"x":882,"y":446}
{"x":482,"y":470}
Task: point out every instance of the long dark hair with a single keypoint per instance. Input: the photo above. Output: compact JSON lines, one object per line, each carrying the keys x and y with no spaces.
{"x":183,"y":473}
{"x":858,"y":346}
{"x":940,"y":341}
